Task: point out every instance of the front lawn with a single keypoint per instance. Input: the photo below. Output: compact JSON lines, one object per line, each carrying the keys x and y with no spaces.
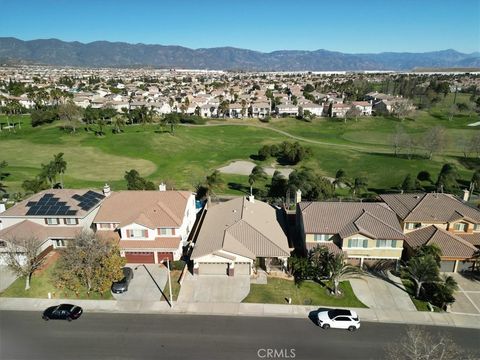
{"x":308,"y":293}
{"x":175,"y":276}
{"x":421,"y":305}
{"x":42,"y":283}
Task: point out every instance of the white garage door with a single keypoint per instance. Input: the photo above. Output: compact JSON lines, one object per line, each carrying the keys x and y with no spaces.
{"x":213,"y":269}
{"x":242,"y":269}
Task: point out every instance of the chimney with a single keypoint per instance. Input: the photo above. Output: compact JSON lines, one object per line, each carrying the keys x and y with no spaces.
{"x":251,"y":199}
{"x":106,"y":190}
{"x":162,"y":187}
{"x":466,"y":196}
{"x":2,"y":208}
{"x":298,"y":196}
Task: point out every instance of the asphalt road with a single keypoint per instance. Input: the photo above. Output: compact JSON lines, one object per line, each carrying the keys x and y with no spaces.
{"x":24,"y":335}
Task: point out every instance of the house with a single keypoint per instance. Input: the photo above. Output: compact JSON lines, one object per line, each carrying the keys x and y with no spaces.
{"x":149,"y":225}
{"x":442,"y":215}
{"x":260,"y":109}
{"x":315,"y":109}
{"x":53,"y":216}
{"x":238,"y":235}
{"x":456,"y":251}
{"x":338,"y":110}
{"x":286,"y":109}
{"x":365,"y":232}
{"x":364,"y":106}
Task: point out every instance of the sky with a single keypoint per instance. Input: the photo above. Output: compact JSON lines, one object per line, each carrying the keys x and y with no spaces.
{"x":264,"y":25}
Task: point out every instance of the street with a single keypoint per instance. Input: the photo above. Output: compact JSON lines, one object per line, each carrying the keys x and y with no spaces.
{"x":24,"y":335}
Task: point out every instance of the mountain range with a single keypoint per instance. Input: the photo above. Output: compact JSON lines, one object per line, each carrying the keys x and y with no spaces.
{"x":120,"y":54}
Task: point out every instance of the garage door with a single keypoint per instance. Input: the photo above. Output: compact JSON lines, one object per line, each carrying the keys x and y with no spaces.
{"x":242,"y":269}
{"x":213,"y":269}
{"x":164,"y":255}
{"x":140,"y":257}
{"x":447,"y":265}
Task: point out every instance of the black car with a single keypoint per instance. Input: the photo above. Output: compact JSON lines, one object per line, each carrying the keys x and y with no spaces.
{"x":121,"y":286}
{"x":62,"y":312}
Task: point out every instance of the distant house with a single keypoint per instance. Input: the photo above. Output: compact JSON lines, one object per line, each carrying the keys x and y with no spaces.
{"x":338,"y":110}
{"x":442,"y":214}
{"x":149,"y":225}
{"x":260,"y":109}
{"x":287,"y":109}
{"x":314,"y":109}
{"x":365,"y":232}
{"x":237,"y":235}
{"x":53,"y":216}
{"x":364,"y":106}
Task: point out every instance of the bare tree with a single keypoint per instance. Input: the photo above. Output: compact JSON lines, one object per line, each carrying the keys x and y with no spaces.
{"x":402,"y":140}
{"x":474,"y":144}
{"x":434,"y":140}
{"x":401,"y":109}
{"x":419,"y":344}
{"x":22,"y":257}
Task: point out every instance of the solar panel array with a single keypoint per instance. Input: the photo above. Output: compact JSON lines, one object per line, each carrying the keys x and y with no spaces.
{"x":88,"y":200}
{"x":50,"y":206}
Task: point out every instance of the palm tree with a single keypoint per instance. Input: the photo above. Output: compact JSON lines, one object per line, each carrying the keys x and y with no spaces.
{"x":257,"y":174}
{"x":340,"y":178}
{"x":319,"y":258}
{"x":3,"y":175}
{"x":432,"y":250}
{"x":339,"y":270}
{"x":421,"y":270}
{"x":445,"y":289}
{"x":359,"y":184}
{"x":213,"y":180}
{"x":60,"y":165}
{"x":118,"y":123}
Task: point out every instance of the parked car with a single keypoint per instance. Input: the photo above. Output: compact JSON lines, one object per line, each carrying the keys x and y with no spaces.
{"x":62,"y":312}
{"x":121,"y":286}
{"x":339,"y":319}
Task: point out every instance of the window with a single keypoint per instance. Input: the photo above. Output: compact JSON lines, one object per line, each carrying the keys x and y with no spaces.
{"x":460,"y":227}
{"x":476,"y":227}
{"x":386,"y":243}
{"x":3,"y":243}
{"x":104,"y":226}
{"x":59,"y":243}
{"x":52,"y":221}
{"x":357,"y":243}
{"x":165,"y":231}
{"x":411,"y":226}
{"x":138,"y":233}
{"x":70,"y":221}
{"x":322,"y":237}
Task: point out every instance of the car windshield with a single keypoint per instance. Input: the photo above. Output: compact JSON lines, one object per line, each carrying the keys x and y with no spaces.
{"x":334,"y":313}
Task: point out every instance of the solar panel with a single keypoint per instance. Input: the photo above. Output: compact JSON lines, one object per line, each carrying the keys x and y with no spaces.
{"x":77,"y":197}
{"x":71,"y":212}
{"x":48,"y":195}
{"x":31,"y":203}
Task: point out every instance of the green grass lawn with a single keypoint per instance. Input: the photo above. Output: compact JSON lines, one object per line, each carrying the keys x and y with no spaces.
{"x":419,"y":304}
{"x":184,"y":159}
{"x":43,"y":283}
{"x":308,"y":293}
{"x":175,"y":275}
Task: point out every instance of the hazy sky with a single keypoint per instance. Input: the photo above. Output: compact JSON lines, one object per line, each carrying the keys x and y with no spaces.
{"x":264,"y":25}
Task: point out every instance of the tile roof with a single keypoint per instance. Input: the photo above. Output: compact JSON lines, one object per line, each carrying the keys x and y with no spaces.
{"x":152,"y":209}
{"x":374,"y":220}
{"x":27,"y":228}
{"x":333,"y":248}
{"x":473,"y":239}
{"x":63,"y":195}
{"x":451,"y":245}
{"x":158,"y":243}
{"x":431,"y":207}
{"x":243,"y":228}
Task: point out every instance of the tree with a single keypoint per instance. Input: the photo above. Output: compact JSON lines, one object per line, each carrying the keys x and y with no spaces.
{"x":278,"y":186}
{"x":353,"y":113}
{"x":258,"y":173}
{"x":432,"y":250}
{"x":339,"y":270}
{"x":22,"y":257}
{"x":118,"y":123}
{"x":434,"y":141}
{"x":90,"y":262}
{"x":424,"y":176}
{"x":136,"y":182}
{"x":474,"y":182}
{"x":34,"y":185}
{"x":3,"y":176}
{"x":60,"y":165}
{"x":442,"y":291}
{"x":312,"y":186}
{"x":421,"y":270}
{"x":320,"y":258}
{"x":340,"y":178}
{"x":420,"y":344}
{"x":408,"y":183}
{"x":401,"y":109}
{"x":301,"y":268}
{"x":49,"y":173}
{"x":359,"y":184}
{"x":171,"y":119}
{"x":213,"y":180}
{"x":474,"y":144}
{"x":70,"y":114}
{"x":447,"y":179}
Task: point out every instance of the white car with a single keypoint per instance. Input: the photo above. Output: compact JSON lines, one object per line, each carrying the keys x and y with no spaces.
{"x":339,"y":319}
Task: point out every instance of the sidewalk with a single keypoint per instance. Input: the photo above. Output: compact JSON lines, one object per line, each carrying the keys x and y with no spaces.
{"x":242,"y":309}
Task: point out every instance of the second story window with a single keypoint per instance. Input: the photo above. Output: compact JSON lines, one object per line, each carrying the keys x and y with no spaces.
{"x":460,"y":227}
{"x":476,"y":227}
{"x":70,"y":221}
{"x":358,"y":243}
{"x":52,"y":221}
{"x":386,"y":243}
{"x":322,"y":237}
{"x":411,"y":226}
{"x":165,"y":231}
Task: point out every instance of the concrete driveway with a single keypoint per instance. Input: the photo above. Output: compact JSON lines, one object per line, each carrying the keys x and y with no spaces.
{"x":214,"y":288}
{"x":7,"y":277}
{"x":380,"y":294}
{"x":467,"y":298}
{"x":147,"y":284}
